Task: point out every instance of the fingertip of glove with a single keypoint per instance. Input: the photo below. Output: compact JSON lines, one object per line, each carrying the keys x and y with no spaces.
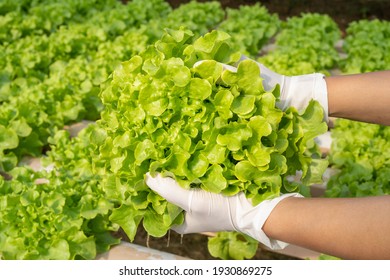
{"x":225,"y":66}
{"x":148,"y":177}
{"x":198,"y":63}
{"x":152,"y":182}
{"x":159,"y":183}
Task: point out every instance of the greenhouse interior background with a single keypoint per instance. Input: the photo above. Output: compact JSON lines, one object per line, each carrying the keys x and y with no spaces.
{"x":77,"y":136}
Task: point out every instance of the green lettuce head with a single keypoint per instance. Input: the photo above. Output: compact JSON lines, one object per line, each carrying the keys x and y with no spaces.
{"x":203,"y":125}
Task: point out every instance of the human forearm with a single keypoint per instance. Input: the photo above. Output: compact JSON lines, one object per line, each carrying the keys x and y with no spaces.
{"x":362,"y":97}
{"x":349,"y":228}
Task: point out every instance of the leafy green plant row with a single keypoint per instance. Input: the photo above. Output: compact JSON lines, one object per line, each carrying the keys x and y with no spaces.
{"x":367,"y":45}
{"x":31,"y":56}
{"x":58,"y":214}
{"x":49,"y":81}
{"x":251,"y":27}
{"x":53,"y":78}
{"x":362,"y":154}
{"x":306,"y":44}
{"x":198,"y":17}
{"x":19,"y":19}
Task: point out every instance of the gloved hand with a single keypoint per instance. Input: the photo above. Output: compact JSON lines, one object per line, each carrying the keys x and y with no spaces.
{"x":295,"y":91}
{"x":210,"y":212}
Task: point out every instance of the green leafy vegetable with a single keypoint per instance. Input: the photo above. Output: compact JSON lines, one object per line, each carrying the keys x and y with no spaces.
{"x":206,"y":127}
{"x":232,"y":246}
{"x":51,"y":71}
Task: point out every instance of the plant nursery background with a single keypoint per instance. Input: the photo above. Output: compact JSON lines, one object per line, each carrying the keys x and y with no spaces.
{"x":79,"y":128}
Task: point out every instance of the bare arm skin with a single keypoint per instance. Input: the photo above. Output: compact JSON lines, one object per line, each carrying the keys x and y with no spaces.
{"x":348,"y":228}
{"x":362,"y":97}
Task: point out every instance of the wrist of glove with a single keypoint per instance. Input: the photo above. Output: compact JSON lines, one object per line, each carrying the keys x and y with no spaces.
{"x":210,"y":212}
{"x":297,"y":91}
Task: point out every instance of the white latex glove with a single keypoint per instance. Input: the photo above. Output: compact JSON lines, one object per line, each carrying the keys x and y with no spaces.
{"x":295,"y":91}
{"x":210,"y":212}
